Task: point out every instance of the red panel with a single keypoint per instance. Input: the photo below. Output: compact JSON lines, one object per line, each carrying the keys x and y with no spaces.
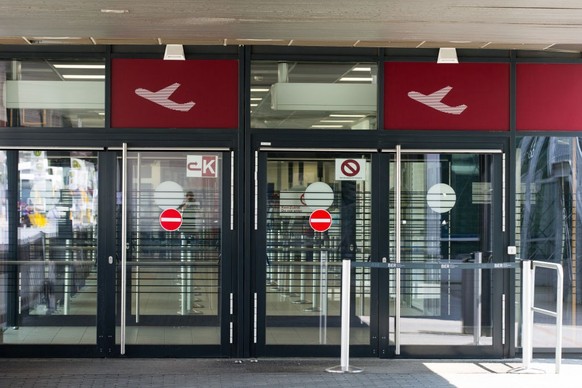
{"x":549,"y":97}
{"x":467,"y":96}
{"x":190,"y":94}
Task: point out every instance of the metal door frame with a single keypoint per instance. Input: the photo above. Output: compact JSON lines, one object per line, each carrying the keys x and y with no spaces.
{"x":227,"y":285}
{"x":258,"y":291}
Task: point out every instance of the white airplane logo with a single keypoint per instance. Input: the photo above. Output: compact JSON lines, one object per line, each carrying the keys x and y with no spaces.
{"x":434,"y":100}
{"x":161,"y":97}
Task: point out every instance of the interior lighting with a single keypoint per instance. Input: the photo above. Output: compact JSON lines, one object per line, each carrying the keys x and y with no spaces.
{"x":336,"y":121}
{"x":347,"y":115}
{"x":259,"y":90}
{"x":326,"y":126}
{"x":79,"y":66}
{"x":83,"y":76}
{"x":356,"y":79}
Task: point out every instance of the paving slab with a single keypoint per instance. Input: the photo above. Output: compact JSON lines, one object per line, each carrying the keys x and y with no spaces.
{"x":287,"y":372}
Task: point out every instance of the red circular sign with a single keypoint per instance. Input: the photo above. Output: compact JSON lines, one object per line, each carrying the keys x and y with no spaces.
{"x":170,"y":220}
{"x":350,"y":167}
{"x":320,"y":220}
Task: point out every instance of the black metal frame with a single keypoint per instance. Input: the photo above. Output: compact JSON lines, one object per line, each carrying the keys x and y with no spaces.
{"x":245,"y":140}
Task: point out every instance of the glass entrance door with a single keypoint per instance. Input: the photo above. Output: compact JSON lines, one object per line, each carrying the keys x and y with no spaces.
{"x":436,"y":216}
{"x":299,"y":269}
{"x":173,"y":279}
{"x":445,"y":209}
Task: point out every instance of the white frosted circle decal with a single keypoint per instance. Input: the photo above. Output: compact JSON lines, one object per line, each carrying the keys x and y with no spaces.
{"x":441,"y":198}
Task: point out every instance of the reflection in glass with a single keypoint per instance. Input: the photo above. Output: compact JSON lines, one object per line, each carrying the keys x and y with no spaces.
{"x":304,"y":95}
{"x":446,"y":212}
{"x":548,"y":215}
{"x":303,"y":267}
{"x":57,"y":268}
{"x":173,"y":275}
{"x":51,"y":93}
{"x":5,"y":291}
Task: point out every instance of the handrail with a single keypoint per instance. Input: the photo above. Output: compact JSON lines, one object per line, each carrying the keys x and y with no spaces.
{"x":528,"y":309}
{"x":347,"y":265}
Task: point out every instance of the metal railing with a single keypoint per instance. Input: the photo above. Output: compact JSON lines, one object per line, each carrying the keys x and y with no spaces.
{"x":528,"y":309}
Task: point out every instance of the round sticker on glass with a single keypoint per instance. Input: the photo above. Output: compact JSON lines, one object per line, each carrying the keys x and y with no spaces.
{"x":168,"y":194}
{"x":441,"y":198}
{"x":318,"y":195}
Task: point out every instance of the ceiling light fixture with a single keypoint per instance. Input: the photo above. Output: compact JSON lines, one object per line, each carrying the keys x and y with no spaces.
{"x":115,"y":11}
{"x":79,"y":66}
{"x":174,"y":52}
{"x":336,"y":121}
{"x":356,"y":79}
{"x":259,"y":90}
{"x":362,"y":69}
{"x":346,"y":115}
{"x":53,"y":39}
{"x":83,"y":76}
{"x":447,"y":55}
{"x":327,"y":126}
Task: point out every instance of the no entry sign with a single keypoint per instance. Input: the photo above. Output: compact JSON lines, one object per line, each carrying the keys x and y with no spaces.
{"x":350,"y":169}
{"x":170,"y":220}
{"x":320,"y":220}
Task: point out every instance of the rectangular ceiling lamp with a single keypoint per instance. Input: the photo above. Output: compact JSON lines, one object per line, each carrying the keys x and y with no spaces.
{"x":447,"y":55}
{"x":174,"y":52}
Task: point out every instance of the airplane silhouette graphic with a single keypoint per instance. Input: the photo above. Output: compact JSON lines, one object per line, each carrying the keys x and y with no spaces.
{"x":162,"y":98}
{"x":434,"y":100}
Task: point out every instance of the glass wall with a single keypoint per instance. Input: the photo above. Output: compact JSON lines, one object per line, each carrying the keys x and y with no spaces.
{"x":174,"y":271}
{"x":50,"y":93}
{"x":313,"y":95}
{"x":446,"y":208}
{"x":548,"y":206}
{"x":303,"y":267}
{"x":3,"y":240}
{"x":49,"y":286}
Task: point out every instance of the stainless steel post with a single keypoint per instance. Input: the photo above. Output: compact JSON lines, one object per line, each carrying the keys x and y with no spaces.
{"x":477,"y":299}
{"x":183,"y":299}
{"x":123,"y":318}
{"x":526,"y":314}
{"x":398,"y":246}
{"x":67,"y":286}
{"x":344,"y":367}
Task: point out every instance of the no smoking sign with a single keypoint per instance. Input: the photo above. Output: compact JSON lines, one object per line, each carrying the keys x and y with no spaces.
{"x":350,"y":169}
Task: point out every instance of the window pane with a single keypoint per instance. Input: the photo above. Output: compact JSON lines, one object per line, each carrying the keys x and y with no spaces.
{"x":50,"y":295}
{"x":548,"y":206}
{"x":313,"y":95}
{"x":47,"y":93}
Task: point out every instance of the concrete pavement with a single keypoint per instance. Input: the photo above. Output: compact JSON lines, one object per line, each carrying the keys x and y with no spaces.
{"x":291,"y":372}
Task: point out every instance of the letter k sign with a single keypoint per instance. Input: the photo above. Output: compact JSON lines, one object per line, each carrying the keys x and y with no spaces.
{"x":202,"y":166}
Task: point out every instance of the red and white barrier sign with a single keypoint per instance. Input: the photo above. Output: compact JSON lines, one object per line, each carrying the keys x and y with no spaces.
{"x":320,"y":220}
{"x":170,"y":220}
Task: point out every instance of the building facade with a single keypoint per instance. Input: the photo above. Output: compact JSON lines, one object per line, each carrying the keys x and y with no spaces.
{"x":166,"y":208}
